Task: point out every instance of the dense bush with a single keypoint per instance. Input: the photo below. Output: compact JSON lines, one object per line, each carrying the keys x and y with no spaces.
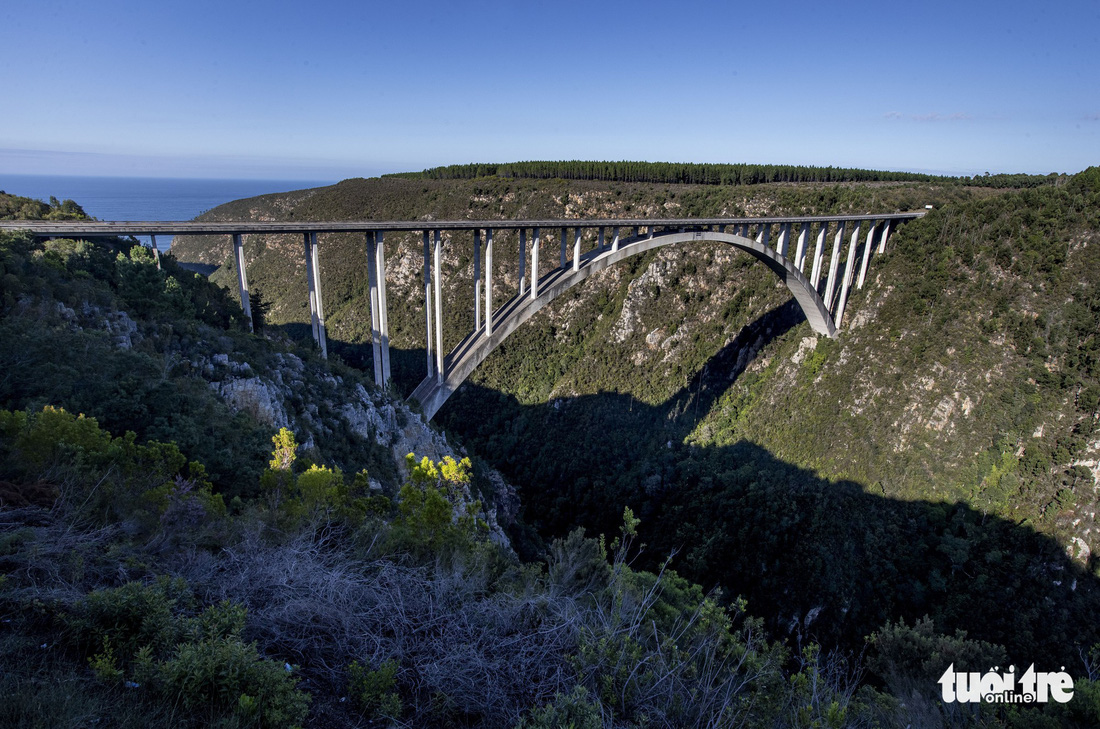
{"x":150,"y":636}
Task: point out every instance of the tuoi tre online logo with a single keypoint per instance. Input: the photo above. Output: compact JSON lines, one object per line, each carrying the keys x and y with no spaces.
{"x":1005,"y":688}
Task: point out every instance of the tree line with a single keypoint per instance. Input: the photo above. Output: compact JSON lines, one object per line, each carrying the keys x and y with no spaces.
{"x":705,"y":174}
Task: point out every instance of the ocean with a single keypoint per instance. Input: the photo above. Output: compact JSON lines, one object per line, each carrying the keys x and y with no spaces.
{"x":146,"y":198}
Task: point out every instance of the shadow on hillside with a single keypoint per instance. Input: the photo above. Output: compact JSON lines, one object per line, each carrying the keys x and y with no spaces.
{"x":817,"y":558}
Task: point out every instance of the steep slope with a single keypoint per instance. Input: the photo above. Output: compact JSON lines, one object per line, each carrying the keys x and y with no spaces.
{"x":146,"y":346}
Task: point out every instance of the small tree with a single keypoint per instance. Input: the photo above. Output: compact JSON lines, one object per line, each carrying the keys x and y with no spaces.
{"x":278,"y":477}
{"x":260,"y":309}
{"x":285,"y":452}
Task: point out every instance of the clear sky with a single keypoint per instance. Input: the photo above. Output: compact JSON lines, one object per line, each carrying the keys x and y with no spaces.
{"x":327,"y":89}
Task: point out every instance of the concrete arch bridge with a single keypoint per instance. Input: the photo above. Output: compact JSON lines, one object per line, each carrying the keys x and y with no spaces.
{"x":818,"y":258}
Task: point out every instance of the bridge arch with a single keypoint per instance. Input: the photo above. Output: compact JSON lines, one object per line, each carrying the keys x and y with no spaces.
{"x":434,"y":391}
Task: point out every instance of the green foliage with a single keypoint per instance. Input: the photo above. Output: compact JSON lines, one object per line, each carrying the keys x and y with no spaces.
{"x":224,"y":620}
{"x":816,"y":361}
{"x":149,"y":289}
{"x":578,"y":565}
{"x":906,"y":657}
{"x":448,"y":472}
{"x":55,"y":695}
{"x":225,"y":676}
{"x":260,"y":308}
{"x":141,"y":283}
{"x":131,"y":617}
{"x":436,"y":516}
{"x":63,"y":296}
{"x":319,"y":493}
{"x":104,"y":665}
{"x":568,"y":711}
{"x":321,"y":486}
{"x":41,"y":440}
{"x":1087,"y":181}
{"x":14,"y":207}
{"x":150,"y":633}
{"x":375,"y":692}
{"x":814,"y":703}
{"x":658,"y":631}
{"x":285,"y":452}
{"x":106,"y":478}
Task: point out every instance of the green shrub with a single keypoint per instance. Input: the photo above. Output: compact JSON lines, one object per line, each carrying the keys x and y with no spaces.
{"x":435,"y":518}
{"x":104,"y":664}
{"x":904,"y":655}
{"x":132,"y":617}
{"x":226,"y":676}
{"x":150,"y":635}
{"x":224,"y":620}
{"x":42,"y":439}
{"x":569,"y":711}
{"x":141,"y":283}
{"x":375,"y":692}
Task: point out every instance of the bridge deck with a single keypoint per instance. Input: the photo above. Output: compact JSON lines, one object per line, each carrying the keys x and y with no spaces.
{"x":195,"y":227}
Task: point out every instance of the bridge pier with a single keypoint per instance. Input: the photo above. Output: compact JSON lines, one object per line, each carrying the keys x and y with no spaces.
{"x":763,"y":231}
{"x":488,"y":282}
{"x":316,"y":308}
{"x":242,"y":277}
{"x":522,"y":260}
{"x":438,"y":308}
{"x":819,"y":256}
{"x":784,"y":239}
{"x":599,"y":241}
{"x":577,"y":249}
{"x":477,"y":280}
{"x":156,"y":257}
{"x":535,"y":264}
{"x":800,"y":248}
{"x":428,"y":303}
{"x":846,"y":282}
{"x":379,"y":322}
{"x":884,"y":236}
{"x":867,"y":246}
{"x":384,"y":309}
{"x":834,"y":264}
{"x":615,"y":240}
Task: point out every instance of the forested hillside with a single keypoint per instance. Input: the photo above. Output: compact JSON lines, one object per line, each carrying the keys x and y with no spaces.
{"x":933,"y":469}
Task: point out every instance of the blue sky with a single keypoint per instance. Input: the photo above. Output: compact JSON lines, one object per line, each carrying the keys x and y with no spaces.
{"x":326,"y":90}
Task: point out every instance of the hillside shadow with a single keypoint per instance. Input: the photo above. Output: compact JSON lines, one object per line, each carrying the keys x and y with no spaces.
{"x":819,"y":559}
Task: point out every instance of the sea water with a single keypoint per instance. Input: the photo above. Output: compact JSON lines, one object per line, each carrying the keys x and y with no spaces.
{"x":146,"y":198}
